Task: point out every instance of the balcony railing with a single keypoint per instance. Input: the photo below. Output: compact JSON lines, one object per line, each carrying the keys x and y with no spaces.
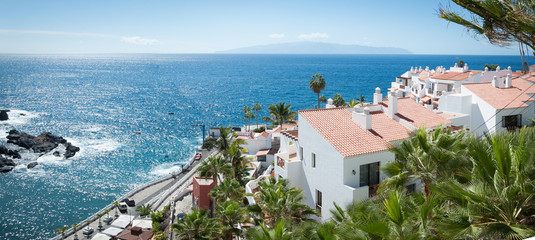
{"x":280,"y":162}
{"x":372,"y":190}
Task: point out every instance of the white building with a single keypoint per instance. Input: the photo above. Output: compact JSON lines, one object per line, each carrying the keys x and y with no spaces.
{"x":428,"y":86}
{"x":504,"y":103}
{"x":335,"y":154}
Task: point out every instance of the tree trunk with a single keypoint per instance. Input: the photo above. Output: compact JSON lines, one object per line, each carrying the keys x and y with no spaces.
{"x":319,"y":100}
{"x":256,"y":119}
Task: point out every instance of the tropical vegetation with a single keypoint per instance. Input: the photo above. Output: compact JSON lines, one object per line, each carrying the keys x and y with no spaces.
{"x":317,"y":84}
{"x":280,"y":113}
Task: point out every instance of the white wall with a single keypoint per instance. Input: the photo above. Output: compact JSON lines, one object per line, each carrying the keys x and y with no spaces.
{"x":456,"y":103}
{"x":481,"y":112}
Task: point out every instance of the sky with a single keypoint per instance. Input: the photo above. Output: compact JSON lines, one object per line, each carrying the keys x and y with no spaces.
{"x":202,"y":26}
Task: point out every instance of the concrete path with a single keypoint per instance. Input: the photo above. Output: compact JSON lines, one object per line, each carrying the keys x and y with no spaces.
{"x":153,"y":194}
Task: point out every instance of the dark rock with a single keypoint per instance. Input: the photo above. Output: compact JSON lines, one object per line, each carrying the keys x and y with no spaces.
{"x":32,"y":165}
{"x":3,"y":115}
{"x":5,"y":169}
{"x":7,"y":152}
{"x":70,"y":150}
{"x":56,"y":153}
{"x":41,"y":144}
{"x":6,"y":165}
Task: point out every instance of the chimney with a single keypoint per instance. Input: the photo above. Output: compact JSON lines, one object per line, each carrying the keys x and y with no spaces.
{"x":497,"y":68}
{"x":508,"y":81}
{"x":377,"y":96}
{"x":486,"y":69}
{"x":363,"y":119}
{"x":509,"y":68}
{"x":465,"y":68}
{"x":330,"y":103}
{"x":427,"y":68}
{"x":392,"y":104}
{"x":494,"y":82}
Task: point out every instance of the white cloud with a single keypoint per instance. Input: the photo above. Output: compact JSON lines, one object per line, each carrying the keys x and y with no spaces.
{"x":139,"y":40}
{"x":313,"y":36}
{"x":276,"y":35}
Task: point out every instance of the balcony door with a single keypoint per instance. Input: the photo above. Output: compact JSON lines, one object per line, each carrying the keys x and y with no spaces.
{"x":369,"y":174}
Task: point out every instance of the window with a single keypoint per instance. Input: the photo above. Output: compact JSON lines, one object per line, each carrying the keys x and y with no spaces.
{"x":319,"y":201}
{"x":300,"y":153}
{"x":313,"y":160}
{"x":369,"y":174}
{"x":512,"y":121}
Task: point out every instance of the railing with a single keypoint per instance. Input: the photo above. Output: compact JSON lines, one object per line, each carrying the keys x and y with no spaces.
{"x":280,"y":162}
{"x":372,"y":190}
{"x":318,"y":208}
{"x":110,"y":206}
{"x":402,"y":87}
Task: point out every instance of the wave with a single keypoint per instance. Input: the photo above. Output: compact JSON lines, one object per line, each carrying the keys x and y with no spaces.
{"x":19,"y":117}
{"x":91,"y":147}
{"x":166,"y":169}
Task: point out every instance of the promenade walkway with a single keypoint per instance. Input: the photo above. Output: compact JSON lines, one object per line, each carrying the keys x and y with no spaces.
{"x":157,"y":193}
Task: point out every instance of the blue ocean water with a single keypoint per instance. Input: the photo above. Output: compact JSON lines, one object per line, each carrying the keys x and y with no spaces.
{"x":97,"y":101}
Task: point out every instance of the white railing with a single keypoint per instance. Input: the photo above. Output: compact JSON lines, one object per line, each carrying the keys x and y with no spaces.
{"x":110,"y":206}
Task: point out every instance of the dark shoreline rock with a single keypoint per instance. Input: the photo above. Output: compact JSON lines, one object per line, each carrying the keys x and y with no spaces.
{"x":41,"y":144}
{"x":3,"y":115}
{"x":32,"y":165}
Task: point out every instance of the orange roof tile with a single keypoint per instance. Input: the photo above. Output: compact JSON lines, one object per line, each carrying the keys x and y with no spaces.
{"x":505,"y":98}
{"x":386,"y":128}
{"x":293,"y":134}
{"x":346,"y":136}
{"x":419,"y":116}
{"x":452,"y":76}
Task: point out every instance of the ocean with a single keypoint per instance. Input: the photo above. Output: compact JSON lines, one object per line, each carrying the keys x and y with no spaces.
{"x":98,"y":101}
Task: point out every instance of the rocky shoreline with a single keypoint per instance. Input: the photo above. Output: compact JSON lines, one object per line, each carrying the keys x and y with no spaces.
{"x":41,"y":145}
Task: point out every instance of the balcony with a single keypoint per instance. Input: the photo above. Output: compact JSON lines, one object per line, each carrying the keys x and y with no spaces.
{"x":372,"y":190}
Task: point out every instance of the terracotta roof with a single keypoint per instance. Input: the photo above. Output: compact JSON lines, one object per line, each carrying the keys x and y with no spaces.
{"x":417,"y":115}
{"x":452,"y":76}
{"x":504,"y":98}
{"x":285,"y":126}
{"x":262,"y":152}
{"x":135,"y":233}
{"x":293,"y":134}
{"x":345,"y":135}
{"x":386,"y":128}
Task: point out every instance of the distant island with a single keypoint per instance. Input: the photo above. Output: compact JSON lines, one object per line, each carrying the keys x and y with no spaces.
{"x":316,"y":48}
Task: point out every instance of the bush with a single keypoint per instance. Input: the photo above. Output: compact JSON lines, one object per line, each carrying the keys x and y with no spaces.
{"x":259,"y":130}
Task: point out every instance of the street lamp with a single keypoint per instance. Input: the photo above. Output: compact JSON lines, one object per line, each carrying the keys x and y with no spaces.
{"x":203,"y":131}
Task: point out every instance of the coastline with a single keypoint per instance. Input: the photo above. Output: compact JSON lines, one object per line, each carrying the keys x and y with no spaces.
{"x":153,"y":193}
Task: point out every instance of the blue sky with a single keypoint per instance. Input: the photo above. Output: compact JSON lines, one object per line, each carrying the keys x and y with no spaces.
{"x":199,"y":26}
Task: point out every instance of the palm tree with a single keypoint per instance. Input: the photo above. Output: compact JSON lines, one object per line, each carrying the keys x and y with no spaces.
{"x":229,"y":189}
{"x":317,"y":84}
{"x":323,"y":99}
{"x":144,"y":210}
{"x":249,"y":115}
{"x":338,"y":100}
{"x":213,"y":167}
{"x":116,"y":204}
{"x":502,"y":22}
{"x":280,"y":114}
{"x":257,"y":107}
{"x":62,"y":231}
{"x":276,"y":201}
{"x":223,"y":142}
{"x":238,"y":162}
{"x":197,"y":225}
{"x":427,"y":157}
{"x":280,"y":232}
{"x":75,"y":228}
{"x":362,"y":99}
{"x":230,"y":214}
{"x":497,"y":202}
{"x":245,"y":110}
{"x":100,"y":215}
